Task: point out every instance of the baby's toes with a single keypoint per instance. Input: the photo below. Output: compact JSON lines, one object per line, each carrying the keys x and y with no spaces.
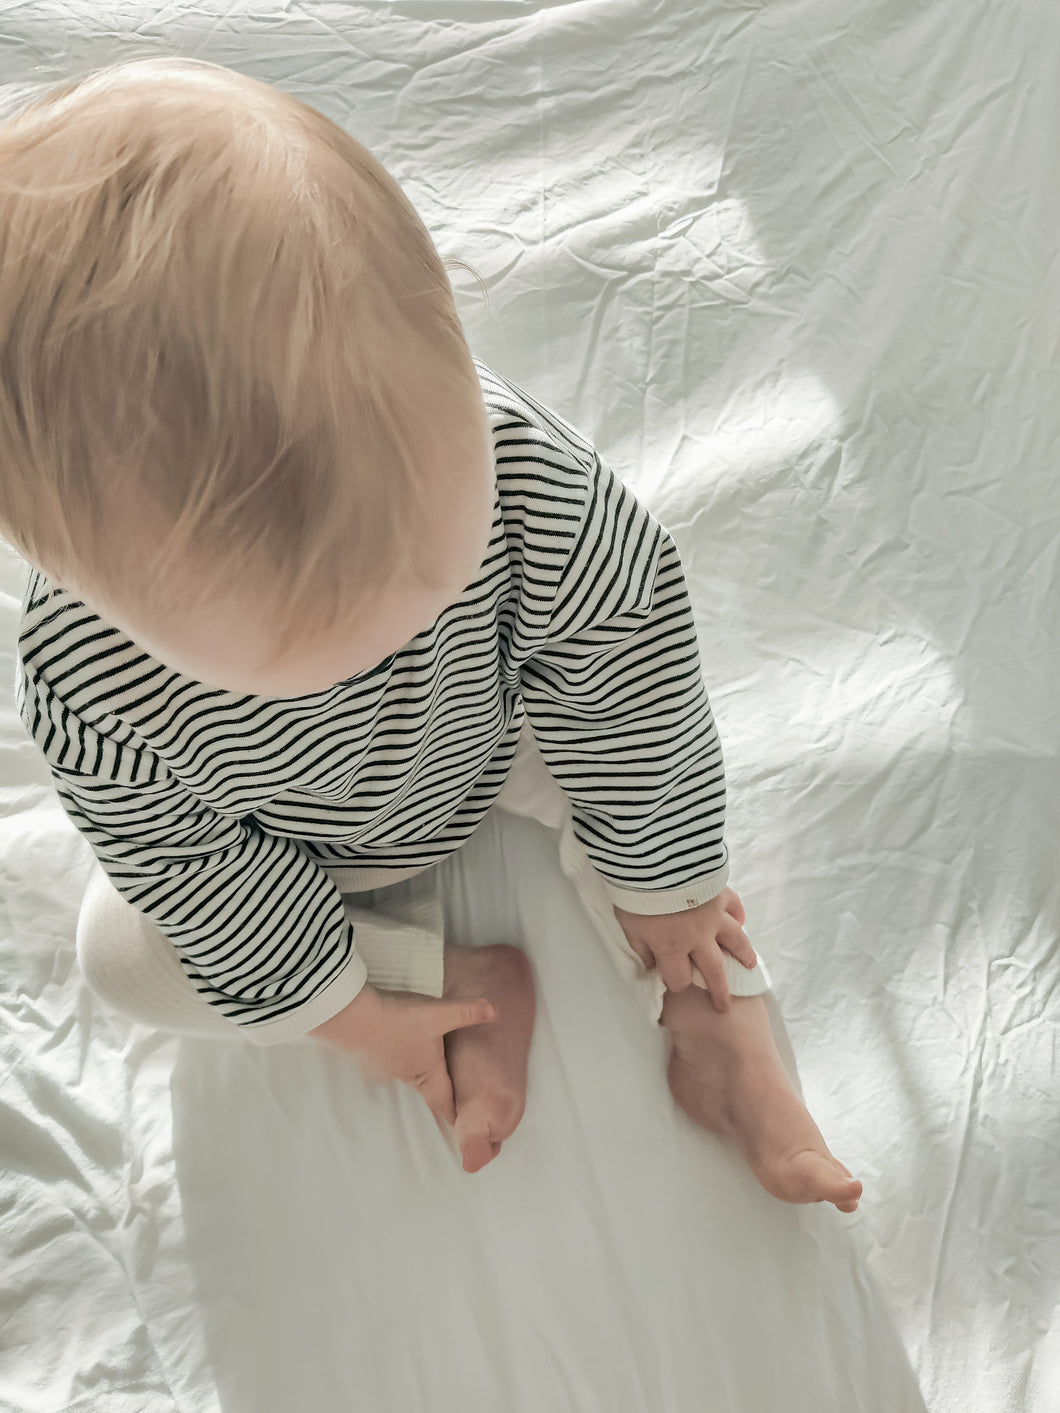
{"x":812,"y":1176}
{"x":472,"y":1134}
{"x":482,"y":1125}
{"x":477,"y":1150}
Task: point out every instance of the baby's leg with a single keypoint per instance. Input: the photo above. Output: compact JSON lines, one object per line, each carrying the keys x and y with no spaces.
{"x":727,"y":1074}
{"x":488,"y":1063}
{"x":130,"y":964}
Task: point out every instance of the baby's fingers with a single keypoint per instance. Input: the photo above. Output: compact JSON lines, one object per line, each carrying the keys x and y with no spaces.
{"x":675,"y":968}
{"x":711,"y":967}
{"x":643,"y":951}
{"x":736,"y":941}
{"x":436,"y":1089}
{"x":733,"y":906}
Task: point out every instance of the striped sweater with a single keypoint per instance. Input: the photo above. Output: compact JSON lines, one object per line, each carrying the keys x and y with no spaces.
{"x":229,"y":819}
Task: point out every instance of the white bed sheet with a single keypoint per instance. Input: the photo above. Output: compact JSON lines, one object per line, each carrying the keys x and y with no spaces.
{"x":793,"y":267}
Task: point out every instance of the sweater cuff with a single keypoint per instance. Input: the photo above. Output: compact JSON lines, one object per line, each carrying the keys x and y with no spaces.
{"x":401,"y":955}
{"x":669,"y":900}
{"x":335,"y":997}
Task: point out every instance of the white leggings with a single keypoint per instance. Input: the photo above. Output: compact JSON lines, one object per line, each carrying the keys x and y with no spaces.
{"x":129,"y":963}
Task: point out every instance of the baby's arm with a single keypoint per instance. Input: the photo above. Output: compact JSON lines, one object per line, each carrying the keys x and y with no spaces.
{"x":259,"y":926}
{"x":615,"y":695}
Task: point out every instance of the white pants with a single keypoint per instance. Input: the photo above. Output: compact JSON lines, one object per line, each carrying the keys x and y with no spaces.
{"x":129,"y":963}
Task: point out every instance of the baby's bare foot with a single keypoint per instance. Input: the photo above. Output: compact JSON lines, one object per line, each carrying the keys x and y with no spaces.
{"x":487,"y":1063}
{"x":726,"y":1073}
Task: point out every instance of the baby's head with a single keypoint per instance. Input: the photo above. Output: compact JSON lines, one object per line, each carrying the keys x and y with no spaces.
{"x":238,"y":415}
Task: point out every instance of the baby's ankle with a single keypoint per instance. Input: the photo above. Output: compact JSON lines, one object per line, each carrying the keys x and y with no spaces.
{"x":693,"y":1009}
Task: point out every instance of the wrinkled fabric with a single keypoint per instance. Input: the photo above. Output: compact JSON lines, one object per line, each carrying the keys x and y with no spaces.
{"x":793,"y":268}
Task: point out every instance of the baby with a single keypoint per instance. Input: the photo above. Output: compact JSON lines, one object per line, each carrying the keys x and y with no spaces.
{"x":303,"y":567}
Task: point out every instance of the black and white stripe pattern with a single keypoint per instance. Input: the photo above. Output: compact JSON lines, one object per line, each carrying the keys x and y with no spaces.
{"x":213,"y":811}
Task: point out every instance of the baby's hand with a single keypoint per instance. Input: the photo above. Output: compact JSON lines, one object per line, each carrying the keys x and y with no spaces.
{"x":401,"y":1034}
{"x":686,"y":947}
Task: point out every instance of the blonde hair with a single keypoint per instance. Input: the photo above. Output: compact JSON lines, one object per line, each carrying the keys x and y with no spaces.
{"x":210,"y":295}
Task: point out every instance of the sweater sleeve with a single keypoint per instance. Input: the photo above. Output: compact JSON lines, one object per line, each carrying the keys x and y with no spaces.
{"x":258,"y":925}
{"x":617,"y":702}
